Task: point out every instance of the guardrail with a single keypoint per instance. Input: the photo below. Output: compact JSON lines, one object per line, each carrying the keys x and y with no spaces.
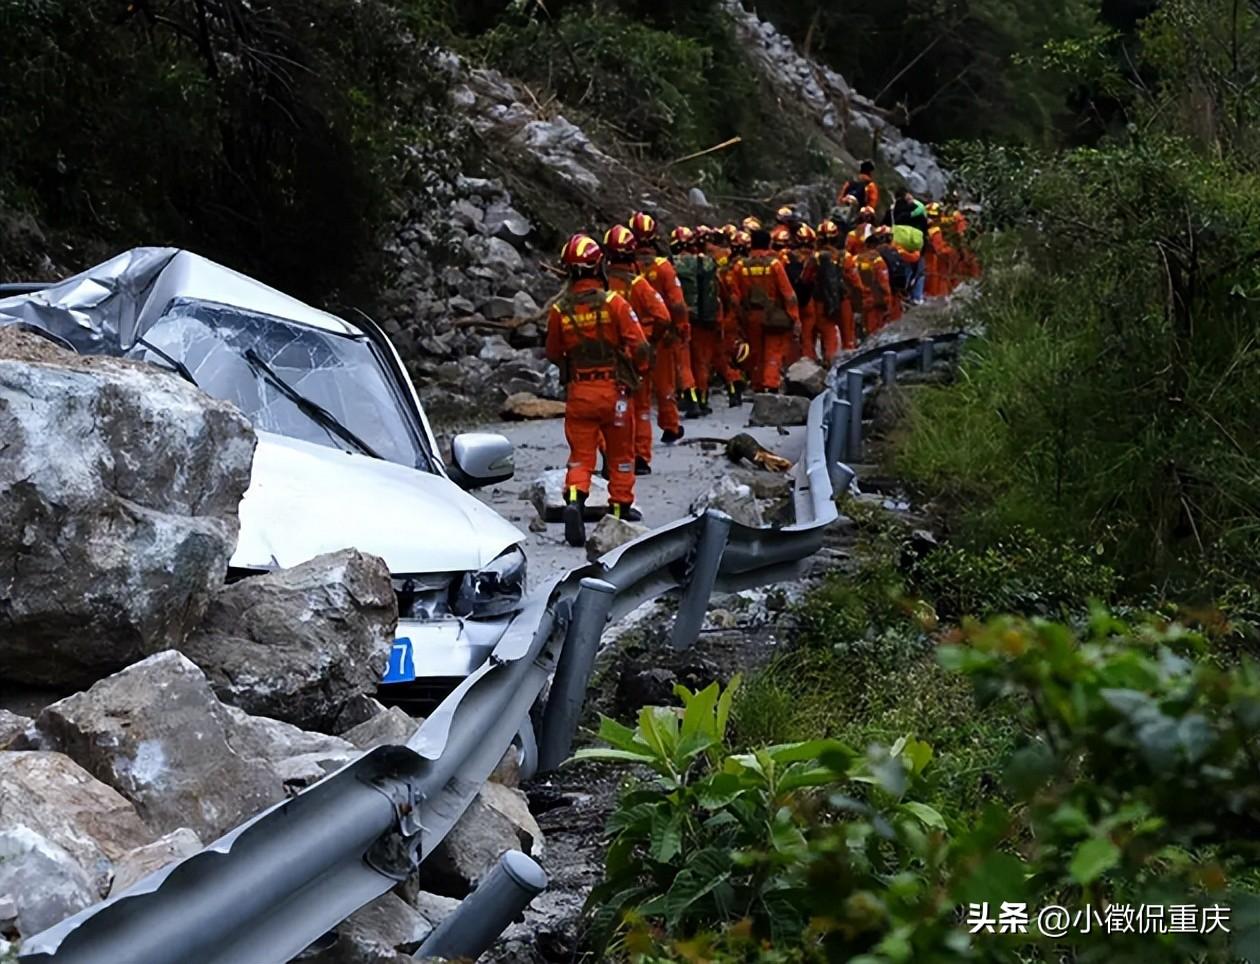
{"x":269,"y":888}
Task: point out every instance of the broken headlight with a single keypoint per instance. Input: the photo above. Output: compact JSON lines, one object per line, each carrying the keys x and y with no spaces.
{"x":493,"y":591}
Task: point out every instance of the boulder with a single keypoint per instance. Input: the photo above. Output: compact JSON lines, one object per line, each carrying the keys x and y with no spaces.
{"x":501,"y":256}
{"x":12,"y":729}
{"x":119,"y":488}
{"x":298,"y":644}
{"x":56,"y":798}
{"x":134,"y":866}
{"x":524,"y":305}
{"x":732,"y":497}
{"x":527,"y":405}
{"x":358,"y":709}
{"x":546,"y":494}
{"x":156,"y":734}
{"x":42,"y":879}
{"x":476,"y":841}
{"x":297,"y":756}
{"x":610,"y":533}
{"x":771,"y":409}
{"x":386,"y":931}
{"x":805,"y":377}
{"x":495,"y":350}
{"x":390,"y":727}
{"x":498,"y":308}
{"x":764,"y":485}
{"x":513,"y":804}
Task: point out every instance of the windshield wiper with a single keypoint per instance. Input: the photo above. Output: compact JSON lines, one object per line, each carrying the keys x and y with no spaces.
{"x":180,"y":368}
{"x":313,"y":410}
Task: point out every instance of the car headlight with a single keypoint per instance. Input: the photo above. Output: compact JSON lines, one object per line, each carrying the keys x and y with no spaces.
{"x":493,"y":591}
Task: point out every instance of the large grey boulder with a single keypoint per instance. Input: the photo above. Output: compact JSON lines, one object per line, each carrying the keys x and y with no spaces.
{"x":387,"y":931}
{"x":611,"y":533}
{"x":56,"y":798}
{"x":42,"y":879}
{"x":297,"y":756}
{"x":805,"y":377}
{"x":12,"y":729}
{"x":770,"y":409}
{"x":734,"y":498}
{"x":496,"y":821}
{"x":119,"y":488}
{"x":156,"y":734}
{"x":388,"y":728}
{"x":298,"y":644}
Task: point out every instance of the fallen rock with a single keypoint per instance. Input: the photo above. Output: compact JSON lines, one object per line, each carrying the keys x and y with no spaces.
{"x":805,"y":377}
{"x":297,"y":756}
{"x":12,"y":729}
{"x":298,"y":644}
{"x":771,"y":409}
{"x":156,"y":734}
{"x":732,"y":497}
{"x":390,"y":727}
{"x":508,"y":772}
{"x":527,"y":405}
{"x":764,"y":485}
{"x":546,"y":494}
{"x":119,"y":488}
{"x":42,"y":879}
{"x":135,"y":866}
{"x":386,"y":931}
{"x":358,"y":709}
{"x":476,"y":842}
{"x":514,"y":805}
{"x":56,"y":798}
{"x":610,"y":533}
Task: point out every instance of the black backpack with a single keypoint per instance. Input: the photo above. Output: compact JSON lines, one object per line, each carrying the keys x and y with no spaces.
{"x":830,"y":283}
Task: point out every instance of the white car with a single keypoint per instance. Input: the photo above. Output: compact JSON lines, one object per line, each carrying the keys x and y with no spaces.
{"x":345,"y":455}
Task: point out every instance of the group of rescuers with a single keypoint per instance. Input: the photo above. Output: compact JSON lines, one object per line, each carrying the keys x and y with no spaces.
{"x":739,"y":302}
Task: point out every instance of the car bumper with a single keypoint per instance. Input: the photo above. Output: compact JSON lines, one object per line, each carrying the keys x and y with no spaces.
{"x":446,"y":648}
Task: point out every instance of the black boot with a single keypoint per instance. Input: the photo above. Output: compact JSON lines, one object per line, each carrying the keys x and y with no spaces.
{"x":669,"y":438}
{"x":574,"y":527}
{"x":691,"y":405}
{"x":604,"y":473}
{"x":626,"y":511}
{"x":735,"y":397}
{"x":642,"y":466}
{"x":705,"y":408}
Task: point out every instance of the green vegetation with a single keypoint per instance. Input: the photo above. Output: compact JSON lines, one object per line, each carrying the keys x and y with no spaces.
{"x":1132,"y":781}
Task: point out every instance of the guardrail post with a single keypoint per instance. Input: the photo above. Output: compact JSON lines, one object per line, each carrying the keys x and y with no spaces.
{"x":853,"y":388}
{"x":498,"y":899}
{"x":715,"y":528}
{"x":926,"y":349}
{"x":888,"y":367}
{"x":573,"y":671}
{"x":837,"y":430}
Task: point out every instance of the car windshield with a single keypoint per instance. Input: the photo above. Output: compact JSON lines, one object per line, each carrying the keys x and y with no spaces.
{"x":342,"y":374}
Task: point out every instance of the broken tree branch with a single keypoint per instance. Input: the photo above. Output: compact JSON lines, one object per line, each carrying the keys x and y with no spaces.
{"x":708,"y":150}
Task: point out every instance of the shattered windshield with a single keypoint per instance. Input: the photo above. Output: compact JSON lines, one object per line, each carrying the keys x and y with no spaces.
{"x":342,"y":374}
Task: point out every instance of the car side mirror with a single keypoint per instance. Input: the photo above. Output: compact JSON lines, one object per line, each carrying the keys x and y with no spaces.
{"x":481,"y":458}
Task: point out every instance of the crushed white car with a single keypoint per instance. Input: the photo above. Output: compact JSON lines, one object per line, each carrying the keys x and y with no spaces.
{"x":345,"y":455}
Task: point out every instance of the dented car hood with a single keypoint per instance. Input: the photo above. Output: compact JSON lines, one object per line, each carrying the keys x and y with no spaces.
{"x":305,"y":499}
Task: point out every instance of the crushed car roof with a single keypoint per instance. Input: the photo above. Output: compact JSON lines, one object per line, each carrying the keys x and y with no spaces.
{"x":103,"y":309}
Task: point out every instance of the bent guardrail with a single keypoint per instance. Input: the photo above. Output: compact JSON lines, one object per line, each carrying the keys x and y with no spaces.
{"x":269,"y":888}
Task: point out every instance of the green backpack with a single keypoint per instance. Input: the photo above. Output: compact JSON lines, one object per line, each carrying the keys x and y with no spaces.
{"x":698,"y":276}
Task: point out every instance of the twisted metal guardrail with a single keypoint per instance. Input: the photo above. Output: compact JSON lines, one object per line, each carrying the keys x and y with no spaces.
{"x":268,"y":889}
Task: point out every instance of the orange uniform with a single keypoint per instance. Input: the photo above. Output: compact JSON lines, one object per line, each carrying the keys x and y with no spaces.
{"x":596,"y":335}
{"x":937,"y":255}
{"x":669,"y":374}
{"x":770,"y":311}
{"x":831,"y":322}
{"x":872,"y":273}
{"x":654,"y":318}
{"x":855,"y":240}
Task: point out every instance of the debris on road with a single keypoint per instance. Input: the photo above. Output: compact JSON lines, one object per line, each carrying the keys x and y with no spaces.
{"x":527,"y":405}
{"x":778,"y":410}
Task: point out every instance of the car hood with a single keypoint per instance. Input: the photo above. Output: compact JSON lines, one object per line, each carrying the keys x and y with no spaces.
{"x":306,"y":499}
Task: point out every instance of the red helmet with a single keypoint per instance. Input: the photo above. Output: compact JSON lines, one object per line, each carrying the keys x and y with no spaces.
{"x":729,"y":231}
{"x":829,"y":230}
{"x":619,"y":240}
{"x":644,"y":226}
{"x":780,"y":236}
{"x":703,"y":232}
{"x":786,"y":214}
{"x":804,"y":236}
{"x":681,"y":237}
{"x":581,"y":251}
{"x":751,"y":224}
{"x":741,"y":243}
{"x":867,"y":215}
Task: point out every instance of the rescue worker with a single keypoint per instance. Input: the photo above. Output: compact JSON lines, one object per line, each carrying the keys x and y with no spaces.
{"x":833,"y":312}
{"x":910,"y":226}
{"x":781,"y":240}
{"x":966,"y":263}
{"x":800,"y":269}
{"x":862,"y":188}
{"x":770,"y":311}
{"x":855,"y":240}
{"x":750,"y":224}
{"x":622,"y":273}
{"x":876,"y":291}
{"x":896,"y":270}
{"x":717,"y":245}
{"x":738,"y":340}
{"x":697,"y":273}
{"x":595,"y":338}
{"x":666,"y":375}
{"x":936,"y":256}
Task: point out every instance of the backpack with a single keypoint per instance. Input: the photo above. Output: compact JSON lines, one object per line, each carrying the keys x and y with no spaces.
{"x":698,"y":276}
{"x":907,"y":237}
{"x":829,"y":283}
{"x":760,"y":298}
